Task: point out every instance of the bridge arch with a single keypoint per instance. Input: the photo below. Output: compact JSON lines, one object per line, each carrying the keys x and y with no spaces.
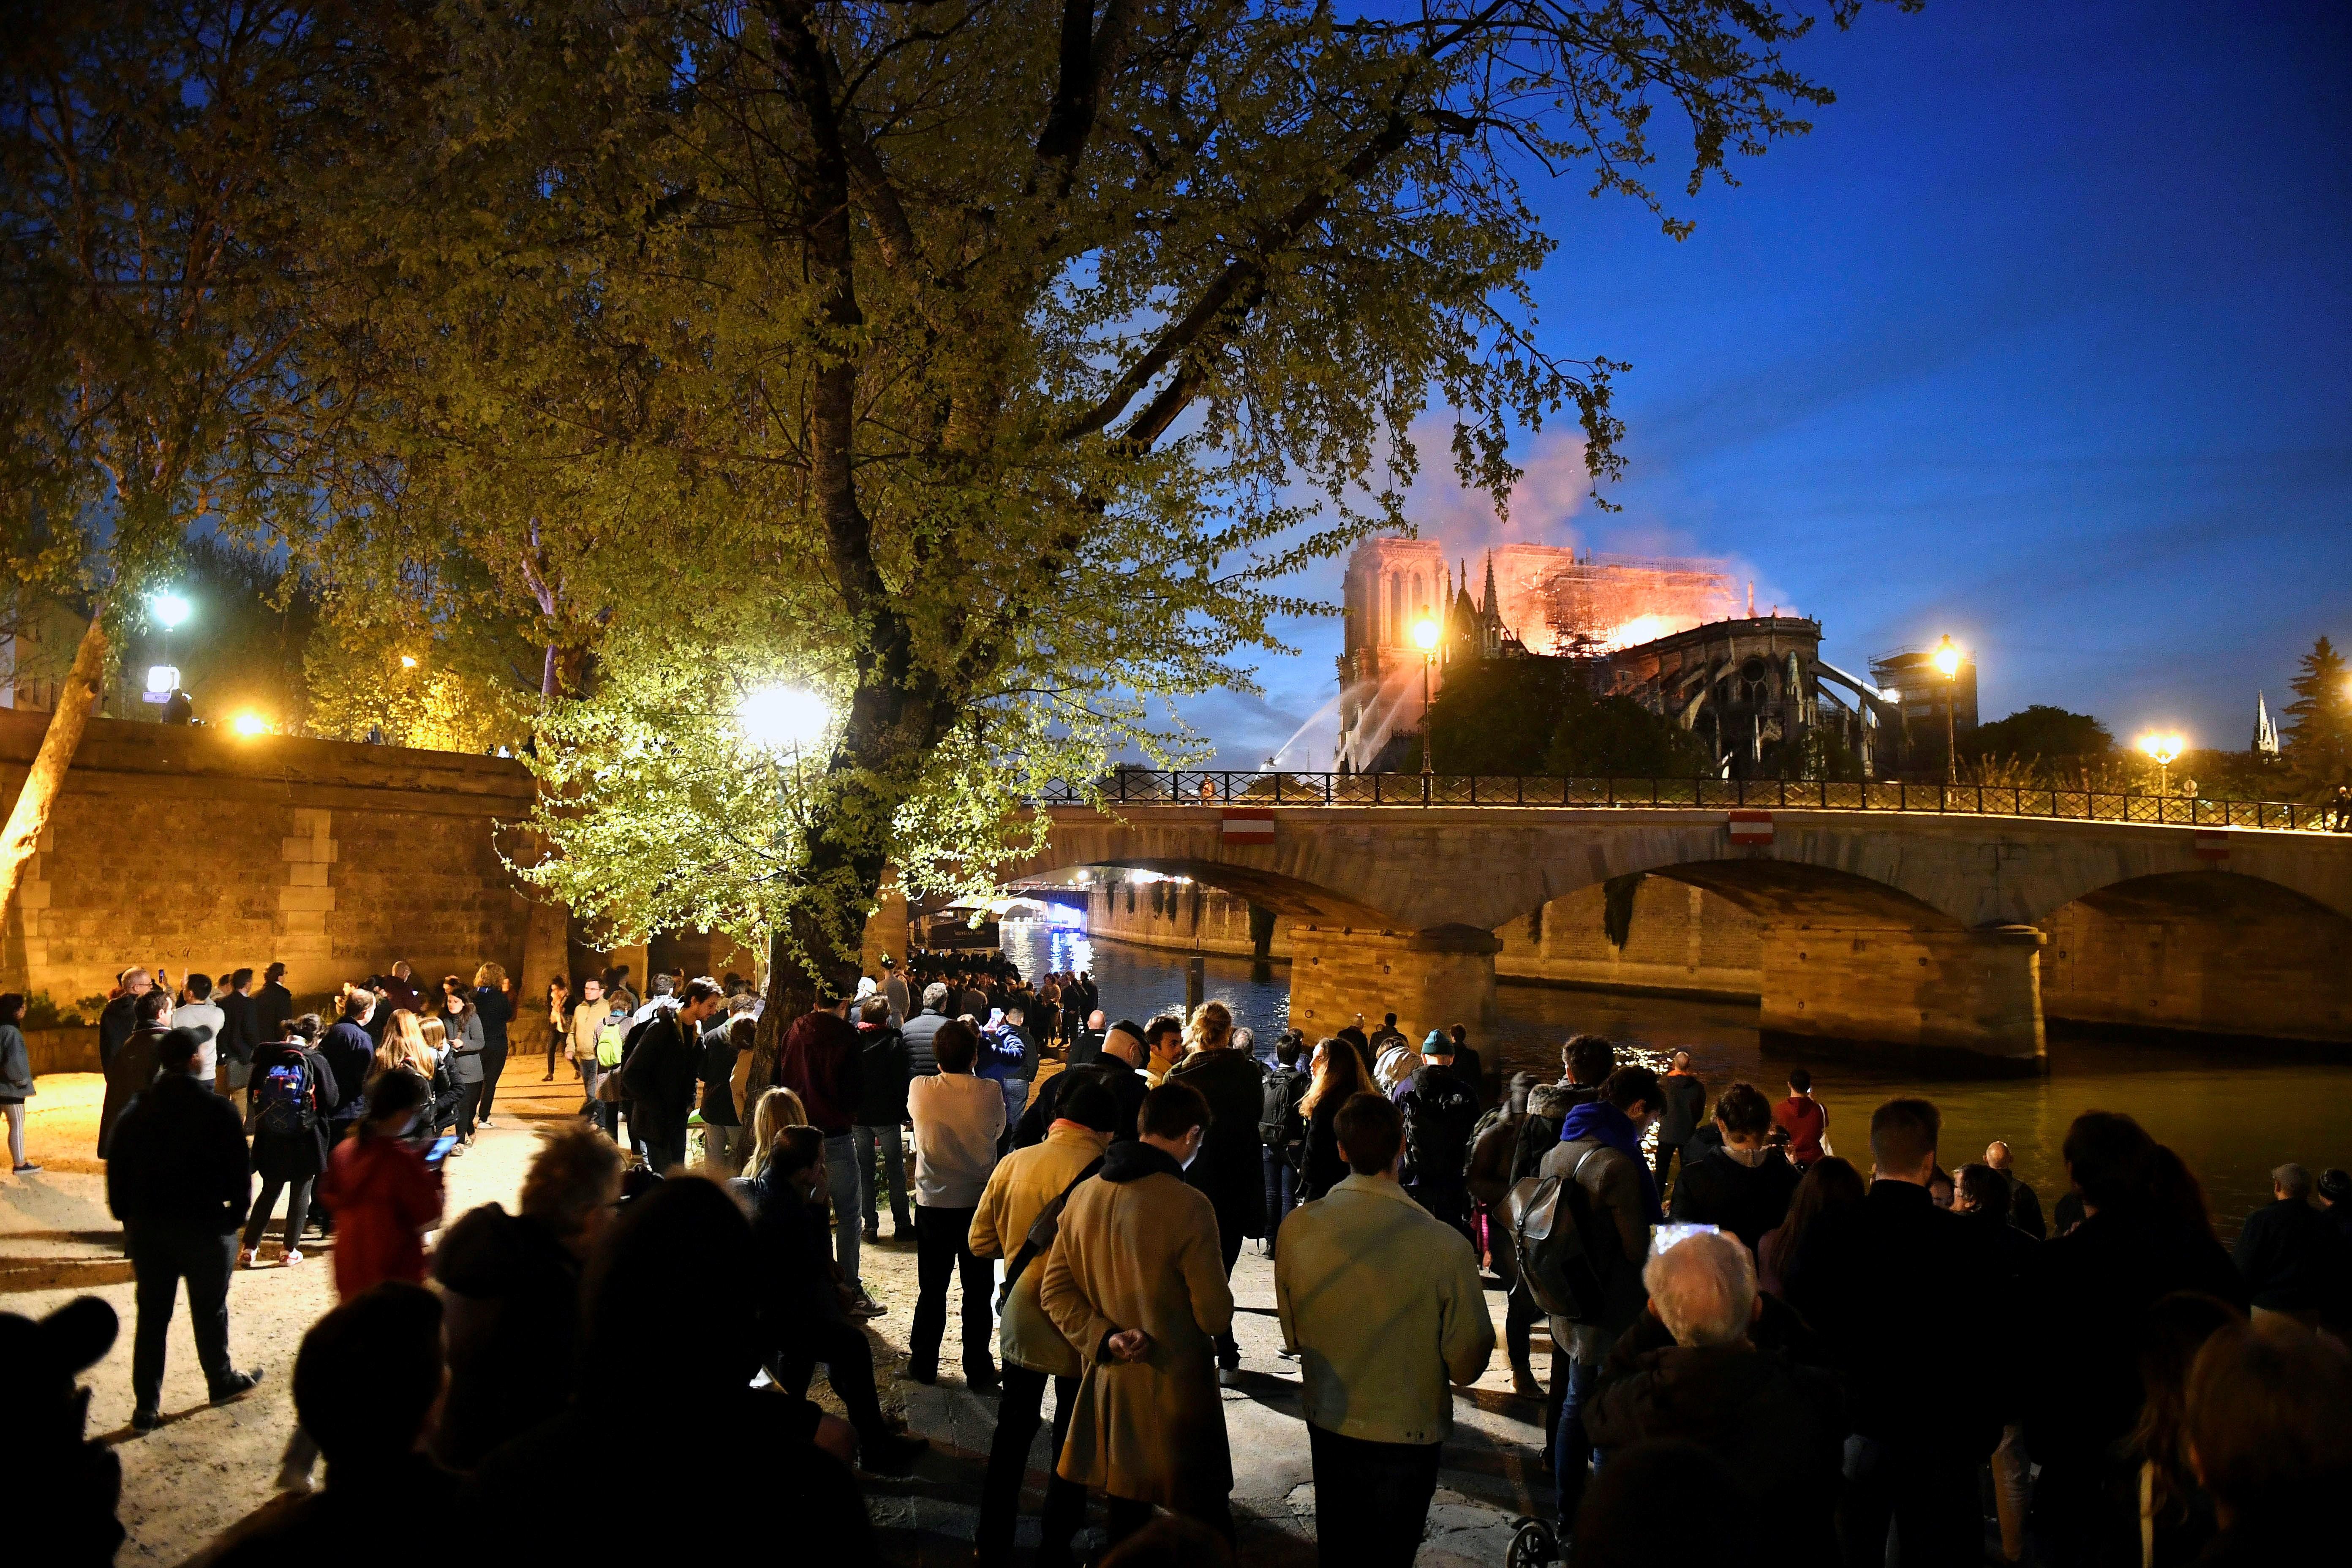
{"x":2209,"y":952}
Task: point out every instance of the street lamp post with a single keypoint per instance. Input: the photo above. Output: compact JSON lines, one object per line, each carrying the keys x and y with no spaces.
{"x":1424,"y":636}
{"x":1947,"y":660}
{"x":2163,"y":750}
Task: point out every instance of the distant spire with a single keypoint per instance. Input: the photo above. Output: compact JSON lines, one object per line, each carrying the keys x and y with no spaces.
{"x":1493,"y":603}
{"x":1751,"y":598}
{"x":2266,"y":741}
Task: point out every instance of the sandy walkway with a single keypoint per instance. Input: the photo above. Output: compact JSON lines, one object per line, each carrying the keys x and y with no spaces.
{"x":205,"y":1469}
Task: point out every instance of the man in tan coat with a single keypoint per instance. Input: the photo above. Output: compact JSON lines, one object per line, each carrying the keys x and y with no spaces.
{"x":1137,"y":1282}
{"x":1025,"y":1185}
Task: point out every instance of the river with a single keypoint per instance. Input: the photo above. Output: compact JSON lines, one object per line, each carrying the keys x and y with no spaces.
{"x":2232,"y":1118}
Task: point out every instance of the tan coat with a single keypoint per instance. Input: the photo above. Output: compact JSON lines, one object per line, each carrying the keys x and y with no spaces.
{"x":1142,"y":1253}
{"x":1020,"y":1187}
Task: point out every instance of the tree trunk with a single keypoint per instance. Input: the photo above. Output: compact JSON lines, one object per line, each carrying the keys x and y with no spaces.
{"x":68,"y":721}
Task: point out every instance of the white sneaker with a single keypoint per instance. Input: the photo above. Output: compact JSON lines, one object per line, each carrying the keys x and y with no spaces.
{"x":291,"y":1258}
{"x":253,"y":1259}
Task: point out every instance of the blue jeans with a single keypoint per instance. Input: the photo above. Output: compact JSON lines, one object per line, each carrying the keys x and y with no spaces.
{"x":893,"y":1149}
{"x":1571,"y":1449}
{"x":841,"y":1172}
{"x":1016,"y":1101}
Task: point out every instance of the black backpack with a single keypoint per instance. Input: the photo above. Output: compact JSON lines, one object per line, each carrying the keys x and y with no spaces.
{"x":1439,"y":1112}
{"x":1547,"y":1218}
{"x":1278,"y":1125}
{"x":284,"y":1096}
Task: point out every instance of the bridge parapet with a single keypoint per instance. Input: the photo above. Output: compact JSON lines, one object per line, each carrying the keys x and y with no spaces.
{"x":1146,"y":788}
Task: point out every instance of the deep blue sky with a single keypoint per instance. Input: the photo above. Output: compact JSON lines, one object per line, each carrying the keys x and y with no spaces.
{"x":2042,"y":338}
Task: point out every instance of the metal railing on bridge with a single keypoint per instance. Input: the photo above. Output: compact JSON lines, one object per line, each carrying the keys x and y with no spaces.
{"x":1152,"y":787}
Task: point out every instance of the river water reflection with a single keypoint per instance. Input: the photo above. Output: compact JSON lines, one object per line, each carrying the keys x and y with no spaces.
{"x":2232,"y":1118}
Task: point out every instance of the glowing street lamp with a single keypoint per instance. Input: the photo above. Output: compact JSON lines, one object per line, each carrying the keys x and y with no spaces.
{"x":1947,"y":660}
{"x":169,"y":610}
{"x":250,"y":724}
{"x":2163,"y":750}
{"x":783,"y":718}
{"x":1425,"y":638}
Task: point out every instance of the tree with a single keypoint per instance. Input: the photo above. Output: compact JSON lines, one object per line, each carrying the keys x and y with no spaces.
{"x":2039,"y":731}
{"x":2318,"y":739}
{"x":956,"y":360}
{"x":151,"y":296}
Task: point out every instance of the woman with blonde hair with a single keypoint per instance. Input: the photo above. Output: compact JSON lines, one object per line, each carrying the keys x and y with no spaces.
{"x":1339,"y":1071}
{"x":771,"y":1114}
{"x":405,"y":1046}
{"x":1212,"y":1028}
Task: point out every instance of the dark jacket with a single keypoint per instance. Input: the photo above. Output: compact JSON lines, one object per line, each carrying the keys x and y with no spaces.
{"x":1126,"y":1085}
{"x":1686,"y":1110}
{"x":129,"y":1071}
{"x":660,"y":1072}
{"x":2292,"y":1258}
{"x":882,"y":1072}
{"x":919,"y":1030}
{"x":115,"y":1022}
{"x":1470,"y":1068}
{"x":350,"y":1053}
{"x":794,"y":1241}
{"x":1228,"y":1169}
{"x":1884,"y":1283}
{"x":2025,"y":1210}
{"x":179,"y":1159}
{"x":240,"y":1034}
{"x":344,"y":1523}
{"x":273,"y":1007}
{"x":1619,"y":1204}
{"x":1778,"y":1426}
{"x":1745,"y":1200}
{"x":822,"y":1061}
{"x":1325,"y":1167}
{"x":2097,"y":1282}
{"x":496,"y":1012}
{"x":513,"y":1321}
{"x":294,"y":1156}
{"x":718,"y":1054}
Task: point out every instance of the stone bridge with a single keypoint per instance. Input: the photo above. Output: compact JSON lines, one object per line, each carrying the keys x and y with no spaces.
{"x":1916,"y":931}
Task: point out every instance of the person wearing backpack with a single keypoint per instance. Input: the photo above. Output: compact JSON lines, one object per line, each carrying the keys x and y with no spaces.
{"x":292,"y":1091}
{"x":1019,"y":1214}
{"x":1586,"y":1061}
{"x":1609,"y":1190}
{"x":1282,"y":1132}
{"x":1439,"y":1110}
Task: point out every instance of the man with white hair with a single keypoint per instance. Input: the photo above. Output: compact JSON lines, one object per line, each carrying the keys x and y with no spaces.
{"x":1779,"y":1426}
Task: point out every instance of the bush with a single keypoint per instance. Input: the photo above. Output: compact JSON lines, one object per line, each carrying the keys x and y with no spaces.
{"x":41,"y":1011}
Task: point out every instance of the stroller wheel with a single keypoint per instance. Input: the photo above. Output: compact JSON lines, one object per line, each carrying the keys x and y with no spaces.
{"x":1533,"y":1544}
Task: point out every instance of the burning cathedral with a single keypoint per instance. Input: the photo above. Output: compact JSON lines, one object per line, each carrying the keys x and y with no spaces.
{"x":1672,"y":635}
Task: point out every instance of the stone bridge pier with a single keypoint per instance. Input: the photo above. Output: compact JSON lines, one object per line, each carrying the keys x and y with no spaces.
{"x":1429,"y":979}
{"x":1913,"y":933}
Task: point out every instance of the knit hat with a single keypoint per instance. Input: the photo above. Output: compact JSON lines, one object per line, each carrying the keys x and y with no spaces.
{"x":1439,"y":1044}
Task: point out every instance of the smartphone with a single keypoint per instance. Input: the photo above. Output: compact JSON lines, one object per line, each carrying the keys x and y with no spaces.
{"x":449,"y":1141}
{"x":1665,"y":1237}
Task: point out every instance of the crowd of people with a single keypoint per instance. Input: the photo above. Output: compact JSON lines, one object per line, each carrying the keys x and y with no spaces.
{"x":1829,"y":1355}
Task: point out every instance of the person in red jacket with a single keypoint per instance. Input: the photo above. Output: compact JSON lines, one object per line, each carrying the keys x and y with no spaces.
{"x":1804,"y":1119}
{"x":383,"y":1196}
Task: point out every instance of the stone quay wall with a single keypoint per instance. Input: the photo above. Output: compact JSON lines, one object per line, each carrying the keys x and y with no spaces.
{"x":195,"y":849}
